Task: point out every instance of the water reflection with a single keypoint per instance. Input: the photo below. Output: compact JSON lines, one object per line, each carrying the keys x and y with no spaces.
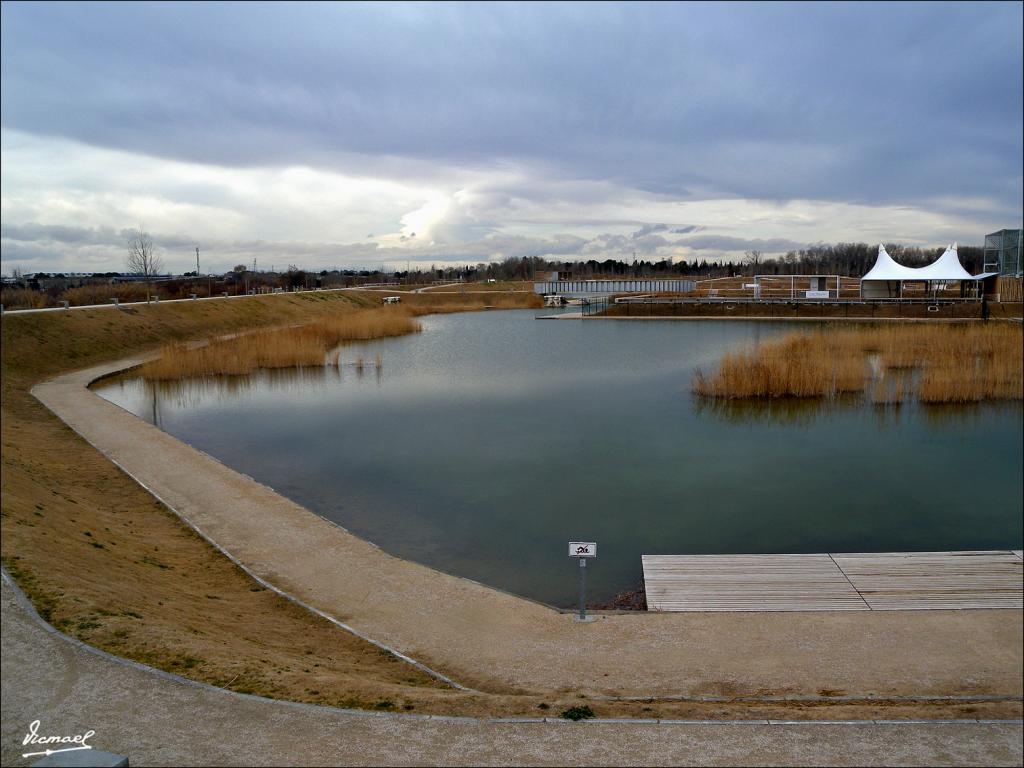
{"x":784,"y":411}
{"x":968,"y":414}
{"x":885,"y":412}
{"x":798,"y":411}
{"x":206,"y":390}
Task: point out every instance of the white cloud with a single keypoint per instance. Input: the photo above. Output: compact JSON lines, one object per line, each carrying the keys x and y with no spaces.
{"x":65,"y":204}
{"x":59,"y":181}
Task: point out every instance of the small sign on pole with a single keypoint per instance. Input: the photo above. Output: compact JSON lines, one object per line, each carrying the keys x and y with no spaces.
{"x":582,"y":550}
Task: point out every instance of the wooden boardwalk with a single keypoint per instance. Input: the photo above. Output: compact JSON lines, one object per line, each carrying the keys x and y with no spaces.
{"x":877,"y":581}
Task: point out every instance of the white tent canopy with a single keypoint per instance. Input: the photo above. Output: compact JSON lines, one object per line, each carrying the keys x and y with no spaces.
{"x":946,"y":267}
{"x":887,"y":269}
{"x":886,"y":276}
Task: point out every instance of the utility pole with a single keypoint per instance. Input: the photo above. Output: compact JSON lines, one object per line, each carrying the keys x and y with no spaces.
{"x":197,"y":261}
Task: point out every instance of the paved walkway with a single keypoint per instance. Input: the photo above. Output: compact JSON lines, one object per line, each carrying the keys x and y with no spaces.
{"x":493,"y":641}
{"x":157,"y":719}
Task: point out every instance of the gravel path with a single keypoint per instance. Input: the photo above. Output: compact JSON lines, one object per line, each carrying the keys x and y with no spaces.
{"x":157,"y":719}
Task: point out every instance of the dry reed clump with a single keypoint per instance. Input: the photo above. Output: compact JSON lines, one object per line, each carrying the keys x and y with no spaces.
{"x":23,"y":298}
{"x":102,"y":293}
{"x":896,"y":364}
{"x":94,"y":293}
{"x":292,"y":347}
{"x":801,"y":365}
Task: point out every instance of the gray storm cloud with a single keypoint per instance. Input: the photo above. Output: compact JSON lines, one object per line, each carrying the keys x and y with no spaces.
{"x":723,"y":243}
{"x":530,"y":120}
{"x":778,"y":101}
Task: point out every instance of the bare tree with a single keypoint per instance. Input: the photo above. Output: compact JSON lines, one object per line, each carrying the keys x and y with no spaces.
{"x":753,"y":260}
{"x":142,"y":258}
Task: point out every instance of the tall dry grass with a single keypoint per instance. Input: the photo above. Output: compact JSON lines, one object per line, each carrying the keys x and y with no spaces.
{"x":291,"y":347}
{"x":24,"y":298}
{"x":892,"y":364}
{"x":92,"y":293}
{"x":801,"y":365}
{"x":102,"y":293}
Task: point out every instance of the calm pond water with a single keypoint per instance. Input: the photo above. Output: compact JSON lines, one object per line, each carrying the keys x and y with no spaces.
{"x":486,"y":443}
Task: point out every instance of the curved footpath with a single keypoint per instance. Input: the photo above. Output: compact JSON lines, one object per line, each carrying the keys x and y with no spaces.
{"x":493,"y":641}
{"x":159,"y":719}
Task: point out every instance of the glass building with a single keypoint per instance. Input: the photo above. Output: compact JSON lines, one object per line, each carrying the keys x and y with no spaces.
{"x":1002,"y":252}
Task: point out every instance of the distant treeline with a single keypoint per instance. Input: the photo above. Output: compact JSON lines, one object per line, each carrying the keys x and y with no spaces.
{"x":848,"y":259}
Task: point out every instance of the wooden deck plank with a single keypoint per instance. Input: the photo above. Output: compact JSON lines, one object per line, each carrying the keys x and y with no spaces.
{"x":747,"y":583}
{"x":922,"y":580}
{"x":830,"y":582}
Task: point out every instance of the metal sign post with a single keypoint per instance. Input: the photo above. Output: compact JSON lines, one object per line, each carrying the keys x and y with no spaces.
{"x":582,"y":550}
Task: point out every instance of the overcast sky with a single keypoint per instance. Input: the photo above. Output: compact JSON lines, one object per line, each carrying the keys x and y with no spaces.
{"x":358,"y":135}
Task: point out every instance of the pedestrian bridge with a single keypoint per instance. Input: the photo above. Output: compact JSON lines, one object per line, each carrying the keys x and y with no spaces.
{"x":598,"y":287}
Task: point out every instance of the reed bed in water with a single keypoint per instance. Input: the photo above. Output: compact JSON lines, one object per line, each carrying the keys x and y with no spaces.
{"x":892,"y":364}
{"x":291,"y":347}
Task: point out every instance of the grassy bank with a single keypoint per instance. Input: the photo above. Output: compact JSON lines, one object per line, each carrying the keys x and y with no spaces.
{"x":891,"y":364}
{"x":105,"y":562}
{"x":501,"y":285}
{"x":454,"y":301}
